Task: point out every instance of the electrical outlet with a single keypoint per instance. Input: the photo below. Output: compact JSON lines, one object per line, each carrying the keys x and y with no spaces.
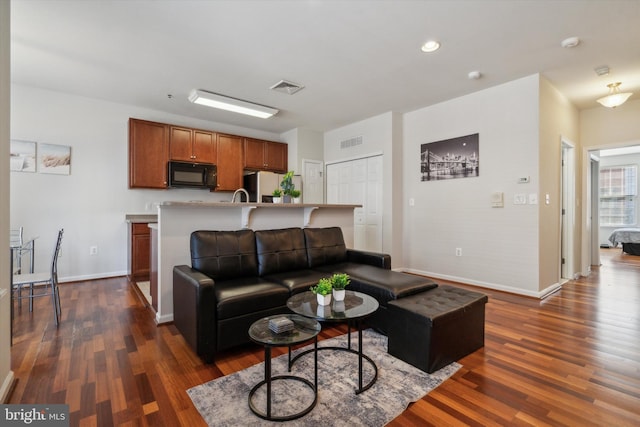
{"x":93,"y":250}
{"x":458,"y":251}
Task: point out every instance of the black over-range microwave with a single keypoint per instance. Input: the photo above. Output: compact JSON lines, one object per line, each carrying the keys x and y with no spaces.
{"x":192,"y":175}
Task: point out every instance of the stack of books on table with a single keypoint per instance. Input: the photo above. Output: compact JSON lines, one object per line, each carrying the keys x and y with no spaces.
{"x":280,"y":324}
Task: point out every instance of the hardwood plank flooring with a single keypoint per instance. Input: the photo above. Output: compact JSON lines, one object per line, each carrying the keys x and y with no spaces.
{"x":572,"y":359}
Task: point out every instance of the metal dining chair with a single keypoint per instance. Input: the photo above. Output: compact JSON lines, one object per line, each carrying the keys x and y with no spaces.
{"x":16,"y":243}
{"x":48,"y":280}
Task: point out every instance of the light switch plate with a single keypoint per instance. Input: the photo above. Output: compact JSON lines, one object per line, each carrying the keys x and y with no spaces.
{"x":520,"y":199}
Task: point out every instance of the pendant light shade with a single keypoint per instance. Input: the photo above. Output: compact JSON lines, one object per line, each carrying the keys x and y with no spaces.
{"x":615,"y":97}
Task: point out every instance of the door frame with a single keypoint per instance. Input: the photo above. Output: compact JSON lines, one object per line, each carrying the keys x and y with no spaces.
{"x":567,"y":210}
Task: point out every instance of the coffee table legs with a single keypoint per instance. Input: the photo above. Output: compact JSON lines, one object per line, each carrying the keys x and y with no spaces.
{"x":268,"y":379}
{"x":361,"y":356}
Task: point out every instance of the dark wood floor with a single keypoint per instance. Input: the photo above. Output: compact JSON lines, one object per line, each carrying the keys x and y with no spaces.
{"x":572,"y":359}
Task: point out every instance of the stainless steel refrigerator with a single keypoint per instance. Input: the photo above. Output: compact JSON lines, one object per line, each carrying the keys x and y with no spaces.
{"x":260,"y":185}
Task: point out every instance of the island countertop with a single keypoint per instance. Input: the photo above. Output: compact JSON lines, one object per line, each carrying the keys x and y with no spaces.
{"x":194,"y":203}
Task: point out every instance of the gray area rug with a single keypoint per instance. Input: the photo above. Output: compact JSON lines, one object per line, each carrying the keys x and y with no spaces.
{"x":223,"y":401}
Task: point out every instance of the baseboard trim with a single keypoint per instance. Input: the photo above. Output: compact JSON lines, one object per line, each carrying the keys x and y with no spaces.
{"x":497,"y":287}
{"x":92,"y":276}
{"x":7,"y":387}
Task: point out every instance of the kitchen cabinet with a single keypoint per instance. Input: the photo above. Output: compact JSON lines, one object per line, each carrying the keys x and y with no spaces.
{"x":139,"y":251}
{"x":265,"y":155}
{"x":148,"y":154}
{"x":192,"y":145}
{"x":230,"y":151}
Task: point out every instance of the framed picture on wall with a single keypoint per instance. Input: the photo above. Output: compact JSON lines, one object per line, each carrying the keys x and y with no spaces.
{"x":55,"y":159}
{"x":450,"y":158}
{"x":22,"y":157}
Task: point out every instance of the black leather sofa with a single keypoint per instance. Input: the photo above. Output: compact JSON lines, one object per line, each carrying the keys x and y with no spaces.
{"x":238,"y":277}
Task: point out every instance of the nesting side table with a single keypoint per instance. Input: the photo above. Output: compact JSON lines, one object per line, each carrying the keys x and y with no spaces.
{"x":304,"y":329}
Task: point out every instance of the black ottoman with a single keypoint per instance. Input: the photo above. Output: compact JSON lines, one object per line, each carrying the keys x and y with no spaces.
{"x":431,"y":329}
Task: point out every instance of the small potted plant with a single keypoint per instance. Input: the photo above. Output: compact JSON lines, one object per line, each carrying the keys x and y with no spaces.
{"x":295,"y":196}
{"x":287,"y":185}
{"x":323,"y":291}
{"x":339,"y":282}
{"x":277,"y":195}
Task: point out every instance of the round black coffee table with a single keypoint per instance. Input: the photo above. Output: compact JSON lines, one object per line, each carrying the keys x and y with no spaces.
{"x":354,"y":309}
{"x":304,"y":329}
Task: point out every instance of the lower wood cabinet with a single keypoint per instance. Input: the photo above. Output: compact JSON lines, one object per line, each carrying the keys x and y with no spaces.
{"x":139,"y":251}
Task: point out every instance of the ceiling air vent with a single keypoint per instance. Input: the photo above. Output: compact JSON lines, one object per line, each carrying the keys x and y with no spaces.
{"x":351,"y":142}
{"x":287,"y":87}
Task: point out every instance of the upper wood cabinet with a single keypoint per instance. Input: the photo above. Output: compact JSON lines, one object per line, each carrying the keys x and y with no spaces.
{"x":265,"y":155}
{"x":192,"y":145}
{"x":148,"y":154}
{"x":230,"y":167}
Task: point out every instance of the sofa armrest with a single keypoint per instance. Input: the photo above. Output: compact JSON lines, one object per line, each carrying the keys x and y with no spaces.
{"x":375,"y":259}
{"x":194,"y":312}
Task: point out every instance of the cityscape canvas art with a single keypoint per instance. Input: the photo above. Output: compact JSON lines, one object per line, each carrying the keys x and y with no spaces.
{"x":450,"y":158}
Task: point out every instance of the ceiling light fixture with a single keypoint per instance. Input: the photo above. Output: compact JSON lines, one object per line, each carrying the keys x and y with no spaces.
{"x":615,"y":97}
{"x":430,"y":46}
{"x":570,"y":42}
{"x":214,"y":100}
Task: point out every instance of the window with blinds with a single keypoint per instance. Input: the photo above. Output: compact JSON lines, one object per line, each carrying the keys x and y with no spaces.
{"x":618,"y":192}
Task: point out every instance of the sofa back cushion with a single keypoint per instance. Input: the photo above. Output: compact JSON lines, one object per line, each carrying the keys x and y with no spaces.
{"x":325,"y":246}
{"x":280,"y":250}
{"x":224,"y":254}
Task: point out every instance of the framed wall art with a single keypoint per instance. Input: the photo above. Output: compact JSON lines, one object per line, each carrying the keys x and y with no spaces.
{"x":55,"y":159}
{"x":22,"y":156}
{"x":450,"y":158}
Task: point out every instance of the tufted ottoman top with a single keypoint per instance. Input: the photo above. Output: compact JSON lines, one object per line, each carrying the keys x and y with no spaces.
{"x":439,"y":304}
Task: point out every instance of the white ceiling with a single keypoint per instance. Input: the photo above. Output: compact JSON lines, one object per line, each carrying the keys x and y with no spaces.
{"x":357,"y":59}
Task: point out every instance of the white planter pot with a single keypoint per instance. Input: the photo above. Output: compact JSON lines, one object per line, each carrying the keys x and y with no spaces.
{"x":277,"y":200}
{"x":296,"y":200}
{"x":324,"y":299}
{"x":338,"y":294}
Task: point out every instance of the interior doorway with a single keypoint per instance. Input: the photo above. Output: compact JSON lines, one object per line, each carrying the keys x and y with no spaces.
{"x":312,"y":181}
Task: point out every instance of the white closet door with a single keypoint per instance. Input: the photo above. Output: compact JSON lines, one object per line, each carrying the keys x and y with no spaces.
{"x":359,"y":182}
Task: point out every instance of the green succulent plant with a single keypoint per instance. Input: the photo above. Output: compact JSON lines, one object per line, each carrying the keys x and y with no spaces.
{"x":323,"y":287}
{"x":340,"y":280}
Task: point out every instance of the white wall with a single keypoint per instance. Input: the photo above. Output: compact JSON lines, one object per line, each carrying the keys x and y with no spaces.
{"x":499,"y":245}
{"x":91,"y":202}
{"x":6,"y":375}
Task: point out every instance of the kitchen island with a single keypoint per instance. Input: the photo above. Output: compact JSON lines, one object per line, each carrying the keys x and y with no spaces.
{"x":177,"y":220}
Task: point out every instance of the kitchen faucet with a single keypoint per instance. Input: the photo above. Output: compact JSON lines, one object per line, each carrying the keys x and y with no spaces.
{"x":240,"y":190}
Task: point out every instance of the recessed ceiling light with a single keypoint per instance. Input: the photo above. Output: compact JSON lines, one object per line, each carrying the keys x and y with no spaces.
{"x":430,"y":46}
{"x":570,"y":42}
{"x":474,"y":75}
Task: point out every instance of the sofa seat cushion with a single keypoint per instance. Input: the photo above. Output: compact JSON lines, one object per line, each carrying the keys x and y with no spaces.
{"x":237,"y":297}
{"x":298,"y":280}
{"x":280,"y":250}
{"x":383,"y":285}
